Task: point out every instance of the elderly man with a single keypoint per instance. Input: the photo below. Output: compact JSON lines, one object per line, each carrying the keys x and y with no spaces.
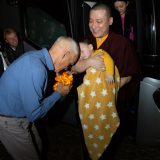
{"x":22,"y":97}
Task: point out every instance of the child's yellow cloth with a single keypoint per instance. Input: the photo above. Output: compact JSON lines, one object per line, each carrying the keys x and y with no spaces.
{"x":97,"y":107}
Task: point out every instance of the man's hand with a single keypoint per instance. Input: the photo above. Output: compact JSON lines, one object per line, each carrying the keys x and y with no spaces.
{"x":125,"y":80}
{"x":97,"y":62}
{"x":63,"y":90}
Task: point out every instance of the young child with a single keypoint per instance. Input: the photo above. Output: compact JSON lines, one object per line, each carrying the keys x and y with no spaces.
{"x":87,"y":51}
{"x":97,"y":102}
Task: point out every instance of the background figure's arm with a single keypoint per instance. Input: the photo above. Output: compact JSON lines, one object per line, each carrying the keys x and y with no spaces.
{"x":125,"y":80}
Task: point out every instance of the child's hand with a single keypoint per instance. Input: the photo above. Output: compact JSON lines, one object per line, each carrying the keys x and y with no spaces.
{"x":97,"y":62}
{"x":110,"y":79}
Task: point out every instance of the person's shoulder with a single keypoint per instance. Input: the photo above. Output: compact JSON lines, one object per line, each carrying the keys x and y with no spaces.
{"x":36,"y":60}
{"x":30,"y":56}
{"x":36,"y":52}
{"x":104,"y":53}
{"x":131,"y":14}
{"x":118,"y":37}
{"x":119,"y":41}
{"x":100,"y":51}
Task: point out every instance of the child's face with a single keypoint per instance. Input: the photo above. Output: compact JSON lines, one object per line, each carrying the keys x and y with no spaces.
{"x":86,"y":50}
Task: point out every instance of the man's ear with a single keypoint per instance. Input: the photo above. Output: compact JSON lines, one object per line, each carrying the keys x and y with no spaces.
{"x":90,"y":46}
{"x":67,"y":53}
{"x":110,"y":21}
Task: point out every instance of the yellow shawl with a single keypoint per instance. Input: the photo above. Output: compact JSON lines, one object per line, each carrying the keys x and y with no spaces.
{"x":97,"y":107}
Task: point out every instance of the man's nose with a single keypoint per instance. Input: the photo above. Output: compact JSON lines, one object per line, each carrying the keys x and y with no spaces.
{"x":94,"y":25}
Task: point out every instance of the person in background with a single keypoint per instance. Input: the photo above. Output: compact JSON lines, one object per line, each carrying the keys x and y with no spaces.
{"x":125,"y":21}
{"x":124,"y":57}
{"x":13,"y":47}
{"x":97,"y":97}
{"x":3,"y":64}
{"x":23,"y":86}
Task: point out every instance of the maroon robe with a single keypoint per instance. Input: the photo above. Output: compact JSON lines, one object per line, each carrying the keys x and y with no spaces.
{"x":127,"y":62}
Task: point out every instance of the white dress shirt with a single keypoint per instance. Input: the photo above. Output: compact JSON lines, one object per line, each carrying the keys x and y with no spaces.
{"x":4,"y":62}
